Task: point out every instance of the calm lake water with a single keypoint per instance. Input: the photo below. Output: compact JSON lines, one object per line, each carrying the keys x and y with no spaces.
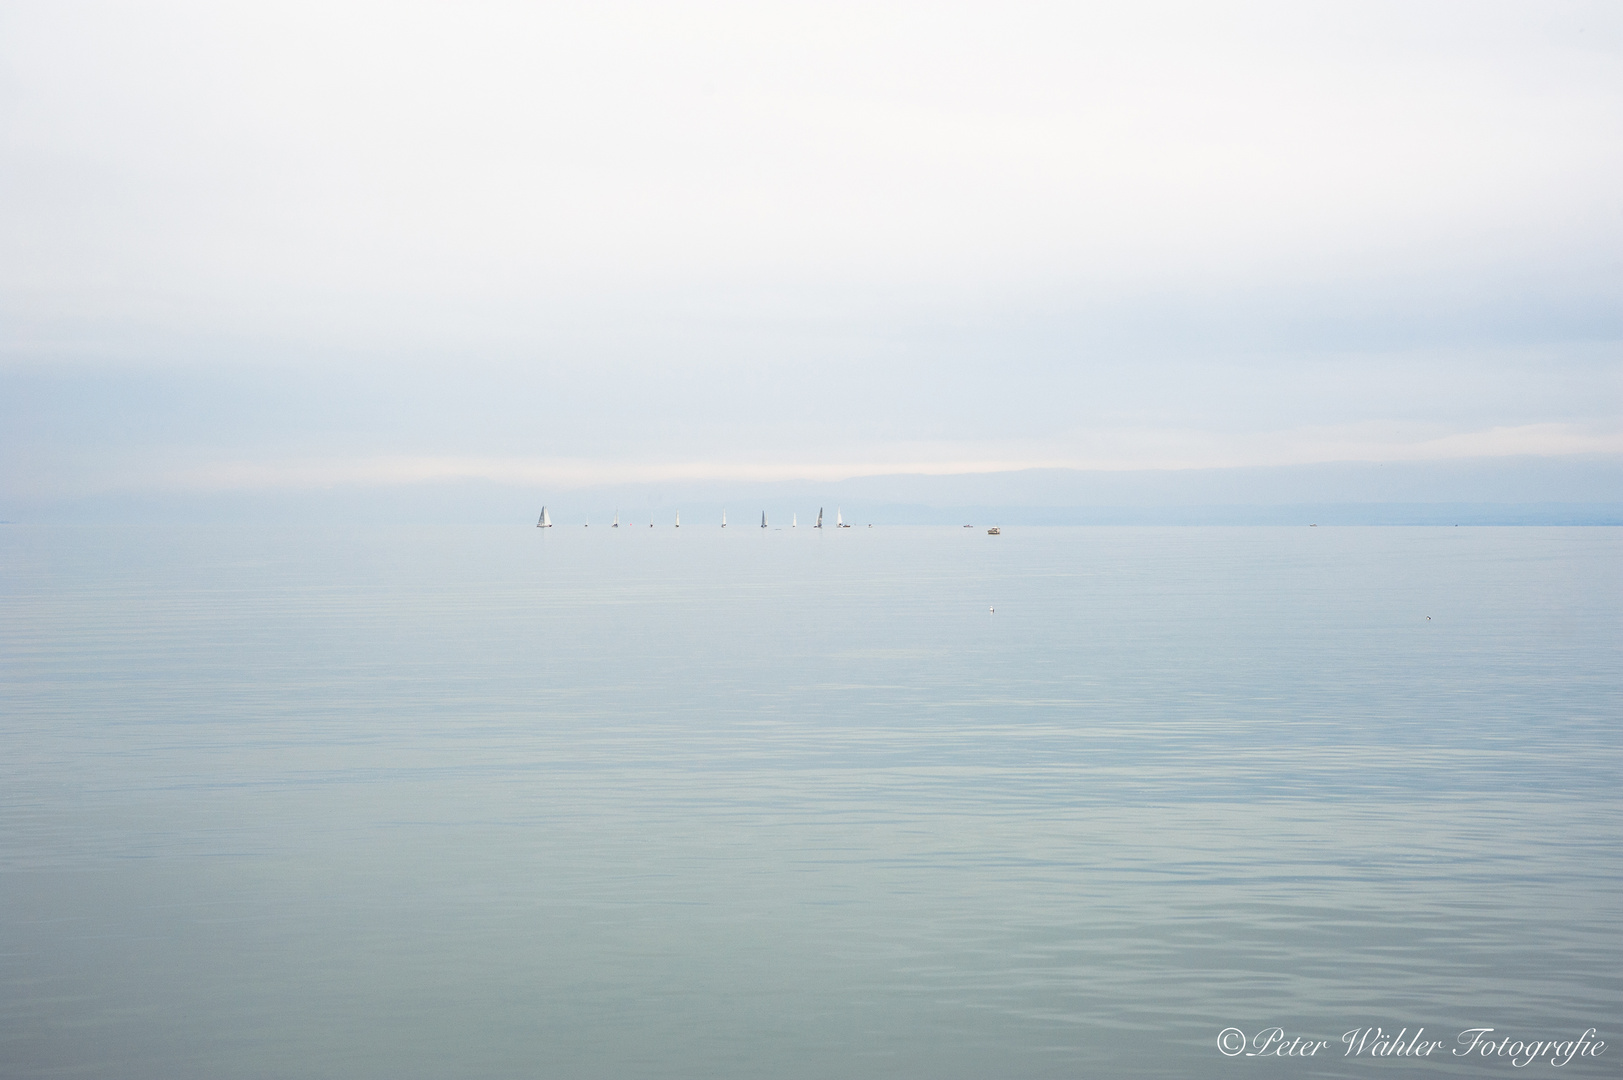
{"x":486,"y":802}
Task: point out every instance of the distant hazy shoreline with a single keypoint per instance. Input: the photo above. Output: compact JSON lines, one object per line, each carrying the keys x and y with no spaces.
{"x":1500,"y":491}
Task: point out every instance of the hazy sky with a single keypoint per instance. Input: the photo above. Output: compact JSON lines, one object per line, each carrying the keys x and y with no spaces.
{"x":288,"y":244}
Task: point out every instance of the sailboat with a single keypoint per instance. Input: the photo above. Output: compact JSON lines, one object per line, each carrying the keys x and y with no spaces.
{"x":819,"y":524}
{"x":794,"y":521}
{"x":679,"y":519}
{"x":616,"y":524}
{"x":724,"y":519}
{"x":763,"y":519}
{"x":839,"y":519}
{"x":543,"y":522}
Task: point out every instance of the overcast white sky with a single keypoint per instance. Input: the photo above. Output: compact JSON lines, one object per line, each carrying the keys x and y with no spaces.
{"x":291,"y":244}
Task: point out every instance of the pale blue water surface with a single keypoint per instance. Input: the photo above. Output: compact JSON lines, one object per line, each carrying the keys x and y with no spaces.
{"x":442,"y":802}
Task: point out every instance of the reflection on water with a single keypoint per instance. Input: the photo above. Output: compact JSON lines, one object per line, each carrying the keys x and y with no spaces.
{"x":483,"y":802}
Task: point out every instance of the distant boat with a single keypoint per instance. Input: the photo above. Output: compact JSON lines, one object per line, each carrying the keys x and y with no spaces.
{"x":724,"y":519}
{"x":543,"y":522}
{"x":763,"y":519}
{"x":616,"y":524}
{"x":839,"y":519}
{"x":679,"y":519}
{"x":819,"y":524}
{"x":794,"y":521}
{"x":994,"y":531}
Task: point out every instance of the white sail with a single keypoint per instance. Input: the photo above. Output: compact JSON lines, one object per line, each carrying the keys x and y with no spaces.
{"x":763,"y":519}
{"x":543,"y":522}
{"x":819,"y":524}
{"x":794,"y":521}
{"x":616,"y":524}
{"x":679,"y":519}
{"x":724,"y":519}
{"x":839,"y":519}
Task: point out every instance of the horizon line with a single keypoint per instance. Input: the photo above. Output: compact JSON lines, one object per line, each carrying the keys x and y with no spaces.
{"x":1543,"y":441}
